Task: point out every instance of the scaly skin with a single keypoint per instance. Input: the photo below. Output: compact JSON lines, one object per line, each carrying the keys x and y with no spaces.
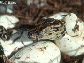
{"x":52,"y":32}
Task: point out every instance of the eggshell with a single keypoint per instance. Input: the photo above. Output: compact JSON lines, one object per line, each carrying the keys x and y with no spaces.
{"x":8,"y":21}
{"x":11,"y":46}
{"x":72,"y":43}
{"x":73,"y":24}
{"x":72,"y":46}
{"x":39,"y":52}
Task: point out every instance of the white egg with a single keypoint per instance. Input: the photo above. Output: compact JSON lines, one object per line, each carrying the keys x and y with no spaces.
{"x":72,"y":43}
{"x":71,"y":46}
{"x":8,"y":21}
{"x":9,"y":46}
{"x":39,"y":52}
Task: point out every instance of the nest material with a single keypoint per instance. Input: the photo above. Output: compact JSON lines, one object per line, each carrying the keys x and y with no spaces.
{"x":30,"y":16}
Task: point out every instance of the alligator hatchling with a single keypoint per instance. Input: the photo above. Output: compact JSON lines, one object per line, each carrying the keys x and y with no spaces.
{"x":54,"y":30}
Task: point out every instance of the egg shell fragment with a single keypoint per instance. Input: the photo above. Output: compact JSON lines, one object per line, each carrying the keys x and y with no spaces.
{"x":11,"y":46}
{"x":8,"y":21}
{"x":73,"y":24}
{"x":72,"y":46}
{"x":39,"y":52}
